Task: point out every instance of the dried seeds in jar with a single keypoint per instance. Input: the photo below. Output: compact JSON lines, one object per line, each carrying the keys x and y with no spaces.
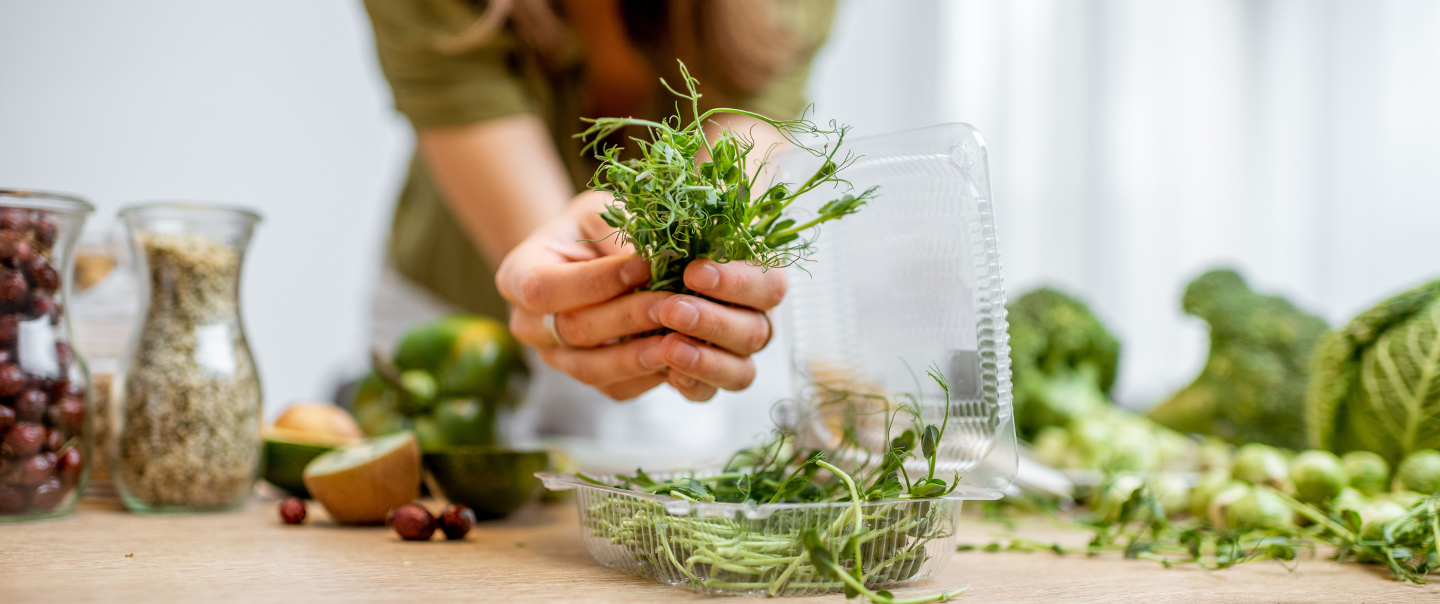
{"x":190,"y":430}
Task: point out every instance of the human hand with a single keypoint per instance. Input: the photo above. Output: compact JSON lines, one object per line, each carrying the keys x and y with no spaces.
{"x":569,"y":268}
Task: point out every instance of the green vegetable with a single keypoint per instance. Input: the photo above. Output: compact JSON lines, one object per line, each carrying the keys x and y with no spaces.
{"x":1420,"y":472}
{"x":1211,"y":484}
{"x":1253,"y":386}
{"x":1348,"y":499}
{"x":1377,"y":381}
{"x":1368,"y":472}
{"x":1262,"y":464}
{"x":875,"y":531}
{"x":1062,"y":358}
{"x":1259,"y":508}
{"x":674,"y":208}
{"x":1318,"y":476}
{"x":1373,"y":518}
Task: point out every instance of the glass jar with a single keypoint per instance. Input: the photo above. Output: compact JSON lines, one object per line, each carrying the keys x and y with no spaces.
{"x":187,"y":403}
{"x":45,"y":426}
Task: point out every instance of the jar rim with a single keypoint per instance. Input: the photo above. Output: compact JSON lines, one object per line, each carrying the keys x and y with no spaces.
{"x":191,"y":206}
{"x":45,"y":200}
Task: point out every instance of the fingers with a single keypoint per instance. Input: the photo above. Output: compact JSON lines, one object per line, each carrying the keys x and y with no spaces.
{"x":691,"y":388}
{"x":593,"y":325}
{"x":547,"y":287}
{"x":696,"y":360}
{"x":737,"y":283}
{"x":624,"y":391}
{"x":608,"y":365}
{"x":739,"y":330}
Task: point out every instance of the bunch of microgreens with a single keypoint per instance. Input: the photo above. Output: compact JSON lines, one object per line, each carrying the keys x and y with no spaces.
{"x":1408,"y":545}
{"x":674,"y":209}
{"x":878,"y":542}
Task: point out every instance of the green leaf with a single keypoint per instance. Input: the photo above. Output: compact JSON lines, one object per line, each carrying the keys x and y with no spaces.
{"x":930,"y":441}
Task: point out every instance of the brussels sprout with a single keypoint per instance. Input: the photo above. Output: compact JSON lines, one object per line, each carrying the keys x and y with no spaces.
{"x":1110,"y":501}
{"x":1259,"y":508}
{"x":1215,"y":454}
{"x":1420,"y":472}
{"x":1369,"y":473}
{"x":1405,"y":499}
{"x":1220,"y":504}
{"x":1349,"y":499}
{"x":1132,"y":449}
{"x":1317,"y":476}
{"x":1172,"y":491}
{"x":1257,"y":463}
{"x":1374,"y":516}
{"x":1174,"y":451}
{"x":1052,"y":446}
{"x":1090,"y":439}
{"x":1211,"y":484}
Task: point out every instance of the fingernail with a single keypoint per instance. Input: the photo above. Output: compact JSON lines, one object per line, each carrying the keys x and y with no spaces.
{"x":704,"y":276}
{"x":684,"y":315}
{"x":635,"y":272}
{"x":685,"y":356}
{"x":653,"y":358}
{"x":682,"y":380}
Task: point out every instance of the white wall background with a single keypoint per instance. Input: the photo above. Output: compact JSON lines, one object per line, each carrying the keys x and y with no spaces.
{"x":1133,"y":144}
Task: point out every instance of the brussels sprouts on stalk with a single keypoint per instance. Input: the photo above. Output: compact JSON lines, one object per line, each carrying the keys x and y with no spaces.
{"x":1317,"y":476}
{"x":1262,"y":464}
{"x":1369,"y":473}
{"x":1420,"y":472}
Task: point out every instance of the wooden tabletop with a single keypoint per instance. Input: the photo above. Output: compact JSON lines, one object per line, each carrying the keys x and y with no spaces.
{"x":103,"y":554}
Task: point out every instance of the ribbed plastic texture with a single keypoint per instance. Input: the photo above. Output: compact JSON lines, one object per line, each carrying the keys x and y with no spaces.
{"x":911,"y":283}
{"x":756,"y":550}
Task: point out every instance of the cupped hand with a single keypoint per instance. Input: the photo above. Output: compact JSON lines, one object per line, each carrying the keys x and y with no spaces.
{"x":572,"y":268}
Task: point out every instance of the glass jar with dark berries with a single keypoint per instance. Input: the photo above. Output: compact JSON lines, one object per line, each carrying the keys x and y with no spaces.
{"x":45,"y":423}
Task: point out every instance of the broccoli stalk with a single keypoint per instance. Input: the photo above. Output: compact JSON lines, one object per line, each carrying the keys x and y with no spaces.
{"x":1062,"y":358}
{"x":1253,"y":386}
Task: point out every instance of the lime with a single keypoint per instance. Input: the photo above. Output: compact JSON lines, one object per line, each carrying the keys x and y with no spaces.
{"x":285,"y":459}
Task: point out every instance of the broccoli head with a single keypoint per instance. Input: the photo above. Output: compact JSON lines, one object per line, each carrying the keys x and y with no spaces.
{"x":1254,"y":383}
{"x":1062,"y":358}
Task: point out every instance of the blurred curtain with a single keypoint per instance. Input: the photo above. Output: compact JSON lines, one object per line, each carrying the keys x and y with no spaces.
{"x":1134,"y":144}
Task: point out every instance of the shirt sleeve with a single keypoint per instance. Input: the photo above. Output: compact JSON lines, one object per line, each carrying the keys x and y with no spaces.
{"x":433,"y":88}
{"x":809,"y":21}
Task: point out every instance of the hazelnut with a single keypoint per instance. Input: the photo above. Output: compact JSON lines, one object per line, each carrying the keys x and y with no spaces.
{"x":37,"y":469}
{"x":7,"y":417}
{"x":12,"y":379}
{"x":292,"y":510}
{"x":412,"y":522}
{"x":30,"y":406}
{"x":13,"y":499}
{"x":456,"y":521}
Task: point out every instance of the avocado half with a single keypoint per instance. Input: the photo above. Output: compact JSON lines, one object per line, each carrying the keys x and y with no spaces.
{"x":492,"y":481}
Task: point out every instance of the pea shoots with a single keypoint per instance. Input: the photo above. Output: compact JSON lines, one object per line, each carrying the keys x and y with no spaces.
{"x":878,"y":529}
{"x":675,"y":207}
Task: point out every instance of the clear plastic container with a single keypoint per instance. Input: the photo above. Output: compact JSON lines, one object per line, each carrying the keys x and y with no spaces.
{"x":187,"y":399}
{"x":45,"y":406}
{"x":909,"y":284}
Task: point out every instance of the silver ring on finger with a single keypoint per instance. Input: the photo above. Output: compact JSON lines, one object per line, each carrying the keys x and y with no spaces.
{"x":554,"y":334}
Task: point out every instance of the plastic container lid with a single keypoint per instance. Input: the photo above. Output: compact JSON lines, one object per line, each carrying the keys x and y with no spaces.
{"x":911,"y":282}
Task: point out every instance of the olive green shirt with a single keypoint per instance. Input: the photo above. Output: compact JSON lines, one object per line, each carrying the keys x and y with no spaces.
{"x":500,"y":78}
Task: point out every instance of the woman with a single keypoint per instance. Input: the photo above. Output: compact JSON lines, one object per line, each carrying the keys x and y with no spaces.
{"x":496,"y":91}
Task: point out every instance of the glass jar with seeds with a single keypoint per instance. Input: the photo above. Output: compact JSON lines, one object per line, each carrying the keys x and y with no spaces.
{"x":187,"y":404}
{"x":45,"y":408}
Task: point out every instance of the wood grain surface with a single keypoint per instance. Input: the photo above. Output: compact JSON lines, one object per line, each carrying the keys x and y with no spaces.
{"x":103,"y":554}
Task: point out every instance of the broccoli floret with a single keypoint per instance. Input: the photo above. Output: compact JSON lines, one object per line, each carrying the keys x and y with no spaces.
{"x":1062,"y":358}
{"x":1253,"y":386}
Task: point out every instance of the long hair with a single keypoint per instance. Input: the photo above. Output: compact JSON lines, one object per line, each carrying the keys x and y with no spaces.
{"x":738,"y":42}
